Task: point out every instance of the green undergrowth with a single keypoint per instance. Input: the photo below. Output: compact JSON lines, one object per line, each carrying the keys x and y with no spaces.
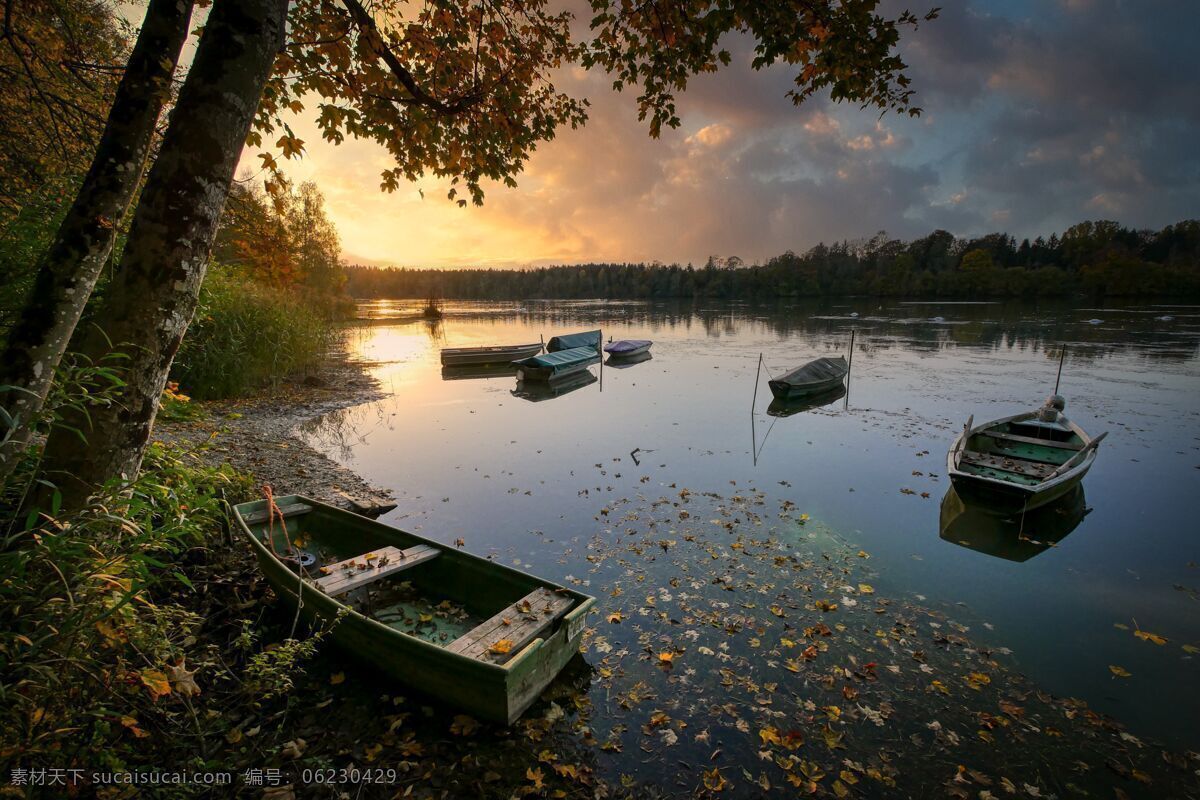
{"x":246,"y":335}
{"x":131,"y":635}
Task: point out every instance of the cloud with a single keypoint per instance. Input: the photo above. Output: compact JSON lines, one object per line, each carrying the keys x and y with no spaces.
{"x":1037,"y":115}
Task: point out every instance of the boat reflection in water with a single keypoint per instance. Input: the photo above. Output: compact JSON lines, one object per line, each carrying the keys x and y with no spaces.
{"x":786,"y":408}
{"x":479,"y":372}
{"x":621,"y":362}
{"x":1015,"y":537}
{"x":536,"y":391}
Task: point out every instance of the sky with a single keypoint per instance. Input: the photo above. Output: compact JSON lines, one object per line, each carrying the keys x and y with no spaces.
{"x":1037,"y":114}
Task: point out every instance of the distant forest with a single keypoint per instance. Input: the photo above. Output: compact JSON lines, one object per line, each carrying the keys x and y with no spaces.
{"x":1092,"y":258}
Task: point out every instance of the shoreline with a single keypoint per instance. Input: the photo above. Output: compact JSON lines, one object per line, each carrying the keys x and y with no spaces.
{"x":258,"y":435}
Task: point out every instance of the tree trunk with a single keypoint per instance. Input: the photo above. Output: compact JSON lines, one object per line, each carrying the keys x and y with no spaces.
{"x":153,"y":295}
{"x":67,"y":272}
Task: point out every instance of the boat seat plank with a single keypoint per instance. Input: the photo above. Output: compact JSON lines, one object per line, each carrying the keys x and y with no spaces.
{"x":289,"y":510}
{"x":1000,"y":475}
{"x":1013,"y":437}
{"x":354,"y":573}
{"x":1005,"y":463}
{"x":520,"y":624}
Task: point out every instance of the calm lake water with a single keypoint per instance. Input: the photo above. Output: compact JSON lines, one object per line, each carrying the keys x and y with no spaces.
{"x":543,"y":482}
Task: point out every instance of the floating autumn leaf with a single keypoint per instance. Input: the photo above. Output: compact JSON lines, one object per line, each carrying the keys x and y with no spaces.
{"x":777,"y":611}
{"x":337,"y":678}
{"x":1146,"y":636}
{"x":537,"y":776}
{"x":866,"y":588}
{"x":1120,"y":672}
{"x":770,"y":735}
{"x":825,"y":605}
{"x":977,"y":680}
{"x":666,"y":658}
{"x":1191,"y":648}
{"x":155,"y":682}
{"x":501,"y":647}
{"x":464,"y":725}
{"x":714,"y":781}
{"x":615,"y":617}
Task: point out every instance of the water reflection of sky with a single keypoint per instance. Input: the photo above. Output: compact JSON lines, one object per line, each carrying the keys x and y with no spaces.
{"x":526,"y":481}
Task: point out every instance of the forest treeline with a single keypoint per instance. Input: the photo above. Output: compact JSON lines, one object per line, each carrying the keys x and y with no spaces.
{"x":1096,"y":258}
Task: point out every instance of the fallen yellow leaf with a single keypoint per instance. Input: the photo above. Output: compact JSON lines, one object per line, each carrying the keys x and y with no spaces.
{"x":336,"y":678}
{"x":1146,"y":636}
{"x":501,"y":647}
{"x":156,"y":683}
{"x":1120,"y":672}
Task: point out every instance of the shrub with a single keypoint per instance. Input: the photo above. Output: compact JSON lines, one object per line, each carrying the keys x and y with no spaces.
{"x":245,"y":335}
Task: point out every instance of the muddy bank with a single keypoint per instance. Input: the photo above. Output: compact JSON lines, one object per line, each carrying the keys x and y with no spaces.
{"x":257,"y":435}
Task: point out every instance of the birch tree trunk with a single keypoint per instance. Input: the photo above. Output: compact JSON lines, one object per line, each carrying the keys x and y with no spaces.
{"x":67,"y":272}
{"x":154,"y":293}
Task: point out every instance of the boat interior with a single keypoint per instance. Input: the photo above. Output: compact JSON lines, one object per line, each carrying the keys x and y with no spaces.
{"x":1020,"y":451}
{"x":437,"y":595}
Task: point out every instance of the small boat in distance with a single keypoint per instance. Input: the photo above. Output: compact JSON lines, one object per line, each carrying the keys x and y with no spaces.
{"x":571,"y":340}
{"x":556,"y":365}
{"x":478,"y":635}
{"x":628,"y":348}
{"x":1022,"y":461}
{"x":815,"y":377}
{"x":494,"y":354}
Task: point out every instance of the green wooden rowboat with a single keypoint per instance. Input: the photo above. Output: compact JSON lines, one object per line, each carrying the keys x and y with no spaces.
{"x":474,"y":633}
{"x":1022,"y":461}
{"x":557,"y":365}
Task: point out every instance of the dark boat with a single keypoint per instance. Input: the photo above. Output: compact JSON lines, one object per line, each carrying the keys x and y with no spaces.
{"x":628,"y":348}
{"x":786,"y":408}
{"x":1017,"y":537}
{"x":815,"y":377}
{"x":569,"y":341}
{"x":556,"y":365}
{"x":492,"y":354}
{"x":1022,"y":461}
{"x":477,"y":634}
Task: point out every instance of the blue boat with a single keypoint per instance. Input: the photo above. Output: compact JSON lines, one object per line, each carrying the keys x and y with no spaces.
{"x":572,"y":340}
{"x":627,"y":348}
{"x":556,"y":365}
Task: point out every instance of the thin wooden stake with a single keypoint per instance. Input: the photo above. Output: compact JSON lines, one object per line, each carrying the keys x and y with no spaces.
{"x":757,"y":373}
{"x":849,"y":364}
{"x":1061,"y":358}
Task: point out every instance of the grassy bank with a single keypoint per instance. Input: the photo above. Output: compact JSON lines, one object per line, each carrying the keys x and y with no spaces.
{"x":247,"y":334}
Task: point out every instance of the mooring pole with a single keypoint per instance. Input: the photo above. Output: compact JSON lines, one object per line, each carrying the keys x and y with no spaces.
{"x":1061,"y":358}
{"x":757,"y":373}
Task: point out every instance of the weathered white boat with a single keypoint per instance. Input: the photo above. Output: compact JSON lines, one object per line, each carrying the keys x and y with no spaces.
{"x":495,"y":354}
{"x":1022,"y":461}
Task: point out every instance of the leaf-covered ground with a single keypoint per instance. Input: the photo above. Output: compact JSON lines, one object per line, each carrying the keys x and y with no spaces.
{"x":738,"y":649}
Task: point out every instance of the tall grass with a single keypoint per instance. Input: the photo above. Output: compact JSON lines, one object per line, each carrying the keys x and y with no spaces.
{"x":245,"y":335}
